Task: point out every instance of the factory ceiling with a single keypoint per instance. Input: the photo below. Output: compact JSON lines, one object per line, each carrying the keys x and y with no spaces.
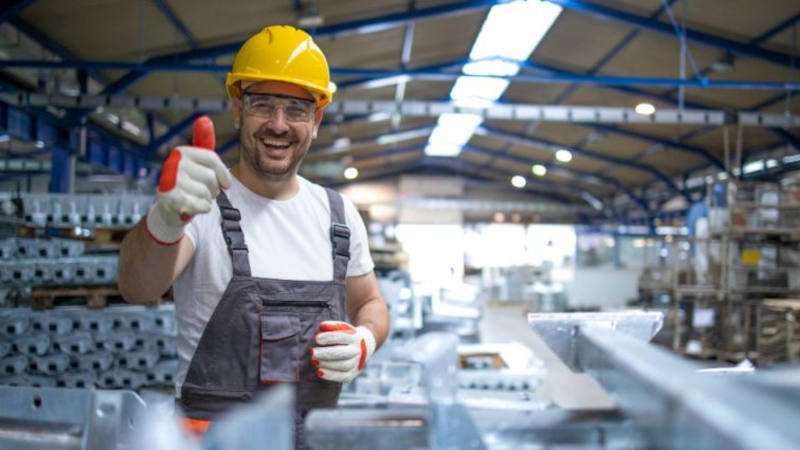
{"x":719,"y":74}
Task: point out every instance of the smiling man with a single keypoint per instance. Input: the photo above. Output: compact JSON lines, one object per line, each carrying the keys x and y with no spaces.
{"x":271,"y":274}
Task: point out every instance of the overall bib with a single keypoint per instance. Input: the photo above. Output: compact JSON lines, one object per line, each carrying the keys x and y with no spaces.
{"x":262,"y":329}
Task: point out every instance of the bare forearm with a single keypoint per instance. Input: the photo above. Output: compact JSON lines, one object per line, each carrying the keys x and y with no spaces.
{"x":375,"y":316}
{"x":146,"y":268}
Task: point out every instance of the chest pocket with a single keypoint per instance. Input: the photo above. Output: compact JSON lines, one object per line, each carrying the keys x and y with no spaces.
{"x":280,"y":348}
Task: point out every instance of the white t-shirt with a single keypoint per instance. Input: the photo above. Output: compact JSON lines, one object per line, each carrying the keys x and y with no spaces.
{"x":286,"y":239}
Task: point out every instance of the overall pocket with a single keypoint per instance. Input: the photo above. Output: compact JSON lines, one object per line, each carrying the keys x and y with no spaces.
{"x":280,"y":348}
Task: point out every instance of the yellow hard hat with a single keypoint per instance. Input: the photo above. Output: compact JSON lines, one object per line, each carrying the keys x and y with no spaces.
{"x":282,"y":53}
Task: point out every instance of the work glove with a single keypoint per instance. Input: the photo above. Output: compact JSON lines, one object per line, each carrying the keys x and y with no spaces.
{"x":189,"y":184}
{"x":341,"y":350}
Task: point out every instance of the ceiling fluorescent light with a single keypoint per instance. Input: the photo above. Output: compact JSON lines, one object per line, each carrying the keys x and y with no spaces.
{"x":513,"y":30}
{"x":755,"y":166}
{"x":592,"y":200}
{"x":509,"y":34}
{"x":385,"y":81}
{"x":442,"y":150}
{"x":454,"y":129}
{"x":491,"y":67}
{"x":402,"y":136}
{"x":791,"y":159}
{"x":378,"y":117}
{"x":477,"y":92}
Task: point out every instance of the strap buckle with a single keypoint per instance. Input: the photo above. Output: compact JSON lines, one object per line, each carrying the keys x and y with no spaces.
{"x":341,"y":230}
{"x":340,"y":238}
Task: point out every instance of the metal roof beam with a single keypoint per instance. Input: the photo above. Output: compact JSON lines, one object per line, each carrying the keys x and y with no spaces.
{"x":698,"y":151}
{"x":376,"y":175}
{"x":711,"y":40}
{"x":10,"y":8}
{"x":176,"y":129}
{"x":612,"y":53}
{"x":379,"y":139}
{"x":176,"y":22}
{"x":370,"y":25}
{"x":549,"y":164}
{"x":528,"y":140}
{"x":478,"y":171}
{"x":417,"y":74}
{"x":767,"y":35}
{"x":513,"y":158}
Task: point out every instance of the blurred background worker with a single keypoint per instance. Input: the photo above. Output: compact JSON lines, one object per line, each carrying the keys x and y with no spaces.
{"x":263,"y":298}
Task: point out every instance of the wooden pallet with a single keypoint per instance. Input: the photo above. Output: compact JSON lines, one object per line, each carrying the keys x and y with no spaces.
{"x":91,"y":297}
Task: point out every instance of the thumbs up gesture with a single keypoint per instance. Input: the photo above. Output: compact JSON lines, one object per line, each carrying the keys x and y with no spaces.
{"x":190,"y":181}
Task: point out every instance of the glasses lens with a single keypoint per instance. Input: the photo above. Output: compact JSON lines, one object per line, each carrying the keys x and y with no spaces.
{"x":267,"y":105}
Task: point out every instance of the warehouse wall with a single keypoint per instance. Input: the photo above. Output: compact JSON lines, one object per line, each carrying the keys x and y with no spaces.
{"x":605,"y":286}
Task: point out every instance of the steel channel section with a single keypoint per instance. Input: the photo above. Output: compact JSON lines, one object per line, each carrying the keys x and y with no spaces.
{"x":47,"y":418}
{"x":677,"y":406}
{"x":558,"y":329}
{"x":407,"y":428}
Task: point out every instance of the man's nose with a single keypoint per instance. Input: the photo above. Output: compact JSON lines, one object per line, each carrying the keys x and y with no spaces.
{"x":278,"y":120}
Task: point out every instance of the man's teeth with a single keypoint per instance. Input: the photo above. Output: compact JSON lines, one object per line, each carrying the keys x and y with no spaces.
{"x":274,"y":142}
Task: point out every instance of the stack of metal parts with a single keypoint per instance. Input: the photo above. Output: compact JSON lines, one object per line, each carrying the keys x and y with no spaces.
{"x":52,"y":262}
{"x":659,"y":401}
{"x":779,"y":331}
{"x":454,"y":309}
{"x":116,"y":347}
{"x":86,"y":210}
{"x":405,"y":308}
{"x":393,"y":378}
{"x":55,"y":419}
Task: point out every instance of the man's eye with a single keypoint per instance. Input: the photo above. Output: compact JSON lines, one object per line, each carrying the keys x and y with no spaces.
{"x":262,"y":104}
{"x":295,"y":111}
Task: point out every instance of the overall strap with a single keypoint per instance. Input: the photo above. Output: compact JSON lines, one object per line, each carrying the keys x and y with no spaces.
{"x":233,"y":235}
{"x":340,"y":235}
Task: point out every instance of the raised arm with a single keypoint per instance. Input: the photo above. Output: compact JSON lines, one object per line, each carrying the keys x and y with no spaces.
{"x":154,"y":252}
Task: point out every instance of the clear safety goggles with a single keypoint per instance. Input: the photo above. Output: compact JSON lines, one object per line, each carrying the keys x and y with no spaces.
{"x":267,"y":105}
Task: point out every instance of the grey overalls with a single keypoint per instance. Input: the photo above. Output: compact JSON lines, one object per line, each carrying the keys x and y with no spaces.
{"x":262,"y":329}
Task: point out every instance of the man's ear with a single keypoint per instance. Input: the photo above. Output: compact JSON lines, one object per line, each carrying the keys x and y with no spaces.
{"x":317,"y":121}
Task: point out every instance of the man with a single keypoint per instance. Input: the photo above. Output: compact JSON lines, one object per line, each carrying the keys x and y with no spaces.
{"x":264,"y":278}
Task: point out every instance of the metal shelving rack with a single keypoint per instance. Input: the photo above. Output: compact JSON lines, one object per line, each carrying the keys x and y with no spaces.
{"x":753,"y":249}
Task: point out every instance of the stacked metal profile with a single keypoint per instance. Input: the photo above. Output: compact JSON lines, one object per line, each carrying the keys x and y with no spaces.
{"x":116,"y":347}
{"x":52,"y":262}
{"x":86,"y":210}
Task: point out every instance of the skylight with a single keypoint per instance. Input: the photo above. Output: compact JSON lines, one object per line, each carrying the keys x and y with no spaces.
{"x":507,"y":38}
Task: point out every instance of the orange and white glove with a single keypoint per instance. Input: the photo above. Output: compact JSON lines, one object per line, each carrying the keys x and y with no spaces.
{"x":190,"y":181}
{"x":341,"y":350}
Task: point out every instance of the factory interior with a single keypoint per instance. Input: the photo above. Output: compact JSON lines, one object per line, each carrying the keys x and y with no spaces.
{"x":583,"y":215}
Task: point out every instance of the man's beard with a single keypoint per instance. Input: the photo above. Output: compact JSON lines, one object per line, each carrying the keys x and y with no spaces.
{"x":262,"y":165}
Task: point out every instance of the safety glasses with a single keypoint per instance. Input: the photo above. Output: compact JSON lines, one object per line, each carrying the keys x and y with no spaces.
{"x":267,"y":105}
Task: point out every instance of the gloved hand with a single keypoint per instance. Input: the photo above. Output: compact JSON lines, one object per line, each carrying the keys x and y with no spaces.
{"x":341,"y":350}
{"x":190,"y":181}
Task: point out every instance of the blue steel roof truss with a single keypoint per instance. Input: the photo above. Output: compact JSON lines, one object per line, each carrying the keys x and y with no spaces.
{"x":750,"y":49}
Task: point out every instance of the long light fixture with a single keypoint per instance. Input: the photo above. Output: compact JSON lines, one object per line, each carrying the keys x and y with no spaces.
{"x":508,"y":36}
